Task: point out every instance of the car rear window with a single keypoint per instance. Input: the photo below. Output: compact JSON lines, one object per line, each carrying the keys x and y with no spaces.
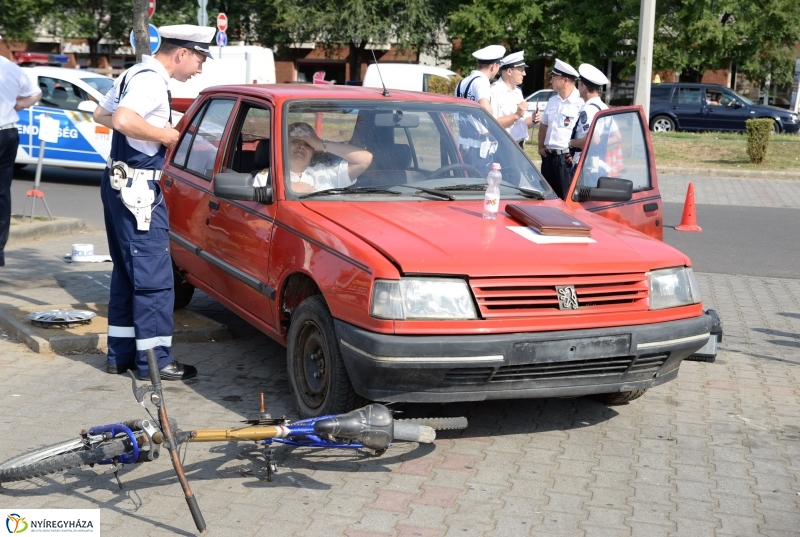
{"x":660,"y":94}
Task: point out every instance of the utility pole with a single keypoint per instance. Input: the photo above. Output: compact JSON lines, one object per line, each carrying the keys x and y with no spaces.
{"x":644,"y":55}
{"x":140,"y":30}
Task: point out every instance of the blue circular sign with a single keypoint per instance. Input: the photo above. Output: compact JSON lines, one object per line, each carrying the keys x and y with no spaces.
{"x":222,"y":39}
{"x":155,"y":39}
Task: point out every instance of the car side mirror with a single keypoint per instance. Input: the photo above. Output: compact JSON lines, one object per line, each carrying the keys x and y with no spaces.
{"x":607,"y":189}
{"x":738,"y":104}
{"x":87,"y":106}
{"x":239,"y":186}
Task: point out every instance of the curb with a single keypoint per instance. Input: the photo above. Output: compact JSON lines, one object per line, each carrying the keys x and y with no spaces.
{"x":21,"y":231}
{"x":62,"y":344}
{"x":726,"y":172}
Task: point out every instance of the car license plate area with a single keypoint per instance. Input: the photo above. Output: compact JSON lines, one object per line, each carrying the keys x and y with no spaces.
{"x":568,"y":350}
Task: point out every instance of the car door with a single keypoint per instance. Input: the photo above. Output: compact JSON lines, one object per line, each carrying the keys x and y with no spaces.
{"x":187,"y":188}
{"x":81,"y":142}
{"x":687,"y":105}
{"x":619,"y":146}
{"x":729,"y":114}
{"x":238,"y":234}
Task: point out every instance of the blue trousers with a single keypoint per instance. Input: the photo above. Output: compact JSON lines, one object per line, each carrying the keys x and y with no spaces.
{"x":142,"y":290}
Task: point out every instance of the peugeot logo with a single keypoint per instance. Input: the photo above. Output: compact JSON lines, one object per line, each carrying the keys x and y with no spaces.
{"x":567,"y":299}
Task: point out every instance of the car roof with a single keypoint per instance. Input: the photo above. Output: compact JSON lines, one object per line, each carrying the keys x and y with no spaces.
{"x":63,"y":73}
{"x":287,"y":92}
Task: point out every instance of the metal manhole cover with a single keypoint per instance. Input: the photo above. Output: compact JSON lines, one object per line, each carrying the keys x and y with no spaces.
{"x":61,"y":318}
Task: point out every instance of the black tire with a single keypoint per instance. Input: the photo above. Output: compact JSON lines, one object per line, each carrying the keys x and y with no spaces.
{"x":438,"y":424}
{"x":776,"y":128}
{"x":317,"y":376}
{"x":18,"y":167}
{"x":618,"y":398}
{"x":183,"y":289}
{"x":662,"y":124}
{"x":51,"y":463}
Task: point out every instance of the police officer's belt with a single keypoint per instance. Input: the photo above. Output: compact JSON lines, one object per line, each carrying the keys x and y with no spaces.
{"x":557,"y":151}
{"x":9,"y":126}
{"x":132,"y":173}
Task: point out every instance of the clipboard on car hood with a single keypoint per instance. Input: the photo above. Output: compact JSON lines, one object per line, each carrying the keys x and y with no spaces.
{"x":549,"y":220}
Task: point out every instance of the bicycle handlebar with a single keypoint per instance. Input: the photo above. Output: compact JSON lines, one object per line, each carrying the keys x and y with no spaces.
{"x":170,"y":441}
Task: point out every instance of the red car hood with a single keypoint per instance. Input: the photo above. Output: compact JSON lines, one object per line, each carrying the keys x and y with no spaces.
{"x":431,"y":237}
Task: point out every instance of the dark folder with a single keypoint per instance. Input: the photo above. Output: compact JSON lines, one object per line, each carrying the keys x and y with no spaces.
{"x":549,"y":220}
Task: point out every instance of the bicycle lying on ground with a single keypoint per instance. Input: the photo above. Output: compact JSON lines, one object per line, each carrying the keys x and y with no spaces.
{"x":135,"y":441}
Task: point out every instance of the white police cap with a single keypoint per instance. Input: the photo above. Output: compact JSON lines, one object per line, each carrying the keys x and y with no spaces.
{"x":592,"y":74}
{"x":515,"y":59}
{"x":564,"y":69}
{"x":492,"y":53}
{"x":188,"y":36}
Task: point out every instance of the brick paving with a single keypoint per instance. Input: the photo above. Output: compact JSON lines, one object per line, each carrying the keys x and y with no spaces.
{"x":732,"y":191}
{"x":714,"y":453}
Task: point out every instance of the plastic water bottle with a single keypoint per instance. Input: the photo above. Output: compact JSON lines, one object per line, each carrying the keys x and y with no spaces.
{"x":491,"y":200}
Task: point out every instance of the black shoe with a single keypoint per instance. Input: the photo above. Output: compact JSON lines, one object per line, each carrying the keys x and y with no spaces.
{"x":175,"y":371}
{"x":118,"y":369}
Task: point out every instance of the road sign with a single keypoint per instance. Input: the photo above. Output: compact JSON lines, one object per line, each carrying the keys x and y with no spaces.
{"x":151,"y":8}
{"x":155,"y":39}
{"x":222,"y":22}
{"x":222,"y":39}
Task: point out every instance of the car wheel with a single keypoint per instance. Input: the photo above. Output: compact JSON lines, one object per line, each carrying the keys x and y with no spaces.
{"x":317,"y":376}
{"x":618,"y":398}
{"x":776,"y":128}
{"x":183,"y":289}
{"x":662,"y":124}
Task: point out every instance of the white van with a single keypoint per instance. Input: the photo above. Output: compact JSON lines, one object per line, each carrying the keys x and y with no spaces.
{"x":245,"y":64}
{"x":403,"y":76}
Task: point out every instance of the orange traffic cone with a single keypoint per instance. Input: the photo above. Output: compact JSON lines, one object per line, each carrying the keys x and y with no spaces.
{"x":689,"y":218}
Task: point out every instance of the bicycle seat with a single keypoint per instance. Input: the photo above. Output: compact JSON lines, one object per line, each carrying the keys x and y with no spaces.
{"x":372,"y":426}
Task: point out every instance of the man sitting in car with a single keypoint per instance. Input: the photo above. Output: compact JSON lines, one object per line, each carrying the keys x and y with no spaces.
{"x":324,"y":173}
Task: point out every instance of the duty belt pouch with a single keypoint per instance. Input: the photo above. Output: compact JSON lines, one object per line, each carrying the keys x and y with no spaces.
{"x":118,"y":174}
{"x":138,"y":199}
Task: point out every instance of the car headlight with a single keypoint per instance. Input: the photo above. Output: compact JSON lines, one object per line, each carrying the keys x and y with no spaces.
{"x":792,"y":118}
{"x":670,"y":288}
{"x":422,"y":298}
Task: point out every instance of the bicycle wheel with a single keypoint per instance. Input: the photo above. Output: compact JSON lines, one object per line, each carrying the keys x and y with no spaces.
{"x":438,"y":424}
{"x":60,"y":457}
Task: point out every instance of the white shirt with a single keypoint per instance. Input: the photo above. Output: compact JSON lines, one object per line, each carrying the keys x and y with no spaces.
{"x":325,"y":176}
{"x":145,"y":94}
{"x":13,"y":83}
{"x":504,"y":103}
{"x":587,"y":115}
{"x":560,"y":116}
{"x":479,"y":88}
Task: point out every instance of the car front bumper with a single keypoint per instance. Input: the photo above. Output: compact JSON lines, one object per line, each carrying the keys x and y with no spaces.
{"x":791,"y":128}
{"x":404,"y":368}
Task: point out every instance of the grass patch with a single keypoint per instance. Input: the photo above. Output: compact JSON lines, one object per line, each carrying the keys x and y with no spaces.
{"x":710,"y":150}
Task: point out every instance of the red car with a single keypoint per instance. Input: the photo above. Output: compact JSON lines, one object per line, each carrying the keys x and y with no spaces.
{"x":347,"y":225}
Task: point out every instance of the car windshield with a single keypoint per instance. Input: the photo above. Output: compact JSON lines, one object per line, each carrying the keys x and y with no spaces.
{"x":100,"y":83}
{"x":433,"y":151}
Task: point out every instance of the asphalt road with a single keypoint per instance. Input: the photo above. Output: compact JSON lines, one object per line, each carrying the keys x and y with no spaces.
{"x":751,"y":241}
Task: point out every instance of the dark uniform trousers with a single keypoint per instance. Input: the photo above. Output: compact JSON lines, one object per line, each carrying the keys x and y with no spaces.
{"x":142,"y":290}
{"x":9,"y":141}
{"x":557,"y":172}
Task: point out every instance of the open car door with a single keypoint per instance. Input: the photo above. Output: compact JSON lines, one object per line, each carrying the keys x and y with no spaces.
{"x":616,"y":175}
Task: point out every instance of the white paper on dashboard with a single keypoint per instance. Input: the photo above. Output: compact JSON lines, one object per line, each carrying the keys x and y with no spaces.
{"x":528,"y":233}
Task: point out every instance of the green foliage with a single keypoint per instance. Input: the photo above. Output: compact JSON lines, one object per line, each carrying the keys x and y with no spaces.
{"x":758,"y":134}
{"x":444,"y":85}
{"x":18,"y":18}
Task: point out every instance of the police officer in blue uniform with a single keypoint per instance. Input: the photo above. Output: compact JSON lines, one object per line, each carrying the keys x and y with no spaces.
{"x":477,"y":145}
{"x":138,"y":108}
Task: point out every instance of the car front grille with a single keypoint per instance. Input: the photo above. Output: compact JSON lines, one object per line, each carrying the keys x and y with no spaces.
{"x":536,"y":295}
{"x":590,"y":368}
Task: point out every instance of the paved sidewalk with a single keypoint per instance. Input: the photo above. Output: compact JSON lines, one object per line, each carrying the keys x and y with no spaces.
{"x":731,"y":191}
{"x":714,"y":453}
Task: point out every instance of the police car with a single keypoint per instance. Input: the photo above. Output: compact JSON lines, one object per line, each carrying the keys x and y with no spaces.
{"x":70,"y":96}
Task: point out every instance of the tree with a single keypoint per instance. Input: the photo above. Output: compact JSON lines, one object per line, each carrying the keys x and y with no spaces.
{"x":18,"y":18}
{"x":354,"y":23}
{"x":756,"y":35}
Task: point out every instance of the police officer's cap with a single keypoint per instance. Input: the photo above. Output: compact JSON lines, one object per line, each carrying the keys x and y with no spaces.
{"x":564,"y":69}
{"x":492,"y":53}
{"x":189,"y":36}
{"x":515,"y":59}
{"x":592,"y":74}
